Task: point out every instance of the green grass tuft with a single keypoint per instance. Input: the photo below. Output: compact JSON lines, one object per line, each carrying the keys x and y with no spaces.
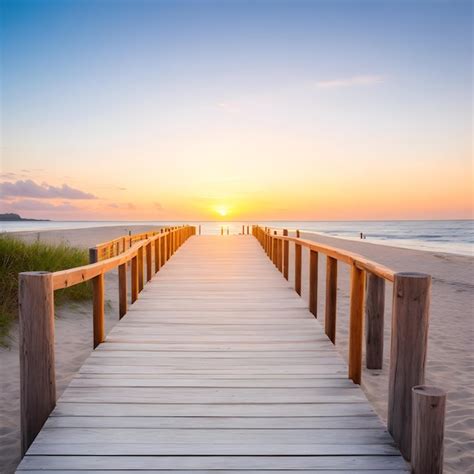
{"x":17,"y":256}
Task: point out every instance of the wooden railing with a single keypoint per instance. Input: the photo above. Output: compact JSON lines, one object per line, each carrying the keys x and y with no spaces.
{"x":36,"y":302}
{"x":410,"y":316}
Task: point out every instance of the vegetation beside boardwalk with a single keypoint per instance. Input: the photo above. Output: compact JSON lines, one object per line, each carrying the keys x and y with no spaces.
{"x":17,"y":256}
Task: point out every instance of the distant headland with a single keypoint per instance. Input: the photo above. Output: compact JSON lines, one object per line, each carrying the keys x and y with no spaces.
{"x":16,"y":217}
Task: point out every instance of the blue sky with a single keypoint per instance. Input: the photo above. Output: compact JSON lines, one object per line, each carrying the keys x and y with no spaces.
{"x":215,"y":94}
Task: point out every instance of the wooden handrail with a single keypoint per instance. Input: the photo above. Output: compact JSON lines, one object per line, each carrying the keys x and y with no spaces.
{"x":411,"y":294}
{"x":36,"y":301}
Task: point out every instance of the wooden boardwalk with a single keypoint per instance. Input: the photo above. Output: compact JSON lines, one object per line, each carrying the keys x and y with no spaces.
{"x":218,"y":366}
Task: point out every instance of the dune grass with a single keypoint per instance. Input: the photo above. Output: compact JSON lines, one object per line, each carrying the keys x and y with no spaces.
{"x":17,"y":256}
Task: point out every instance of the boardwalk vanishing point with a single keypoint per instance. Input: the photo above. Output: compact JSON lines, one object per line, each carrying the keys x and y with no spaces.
{"x":218,"y":365}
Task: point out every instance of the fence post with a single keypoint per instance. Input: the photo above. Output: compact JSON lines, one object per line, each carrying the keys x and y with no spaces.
{"x":286,"y":254}
{"x":134,"y":277}
{"x":298,"y":268}
{"x":410,"y":317}
{"x":122,"y":272}
{"x":149,"y":271}
{"x":374,"y":313}
{"x":427,"y":444}
{"x":313,"y":283}
{"x":331,"y":298}
{"x":37,"y":370}
{"x":157,"y":254}
{"x":140,"y":268}
{"x":356,"y":324}
{"x":98,"y":309}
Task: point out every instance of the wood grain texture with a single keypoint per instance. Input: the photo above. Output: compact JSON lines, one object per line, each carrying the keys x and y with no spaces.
{"x":356,"y":324}
{"x":98,"y":315}
{"x":217,"y":366}
{"x":410,"y":317}
{"x":122,"y":274}
{"x":427,"y":444}
{"x":37,"y":370}
{"x":331,"y":299}
{"x":374,"y":314}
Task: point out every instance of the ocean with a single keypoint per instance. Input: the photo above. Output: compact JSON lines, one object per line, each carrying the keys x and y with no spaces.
{"x":450,"y":236}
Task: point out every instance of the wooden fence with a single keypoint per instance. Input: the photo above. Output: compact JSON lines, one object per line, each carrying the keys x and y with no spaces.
{"x":410,"y":316}
{"x":36,"y":303}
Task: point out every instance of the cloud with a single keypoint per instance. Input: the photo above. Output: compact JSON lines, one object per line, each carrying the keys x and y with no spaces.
{"x":367,"y":80}
{"x":30,"y":189}
{"x":32,"y":205}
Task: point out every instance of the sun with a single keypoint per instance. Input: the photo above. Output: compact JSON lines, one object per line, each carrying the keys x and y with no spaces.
{"x":222,"y":211}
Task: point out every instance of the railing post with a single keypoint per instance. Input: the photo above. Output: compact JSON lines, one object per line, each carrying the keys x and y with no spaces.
{"x":275,"y":250}
{"x":286,"y":254}
{"x":331,"y":298}
{"x":427,"y":444}
{"x":122,"y":272}
{"x":98,"y":309}
{"x":37,"y":370}
{"x":243,"y":229}
{"x":140,"y":268}
{"x":356,"y":324}
{"x":199,"y":229}
{"x":134,"y":278}
{"x":313,"y":283}
{"x":410,"y":317}
{"x":162,"y":250}
{"x":157,"y":254}
{"x":374,"y":311}
{"x":248,"y":230}
{"x":93,"y":255}
{"x":149,"y":272}
{"x":298,"y":268}
{"x":297,"y":234}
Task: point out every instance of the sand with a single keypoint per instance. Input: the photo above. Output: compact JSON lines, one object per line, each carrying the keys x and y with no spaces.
{"x":450,"y":349}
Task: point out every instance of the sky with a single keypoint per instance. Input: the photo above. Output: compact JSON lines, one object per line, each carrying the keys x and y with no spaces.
{"x":242,"y":110}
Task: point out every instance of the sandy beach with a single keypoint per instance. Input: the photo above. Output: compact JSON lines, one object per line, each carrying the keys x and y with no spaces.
{"x":450,"y":349}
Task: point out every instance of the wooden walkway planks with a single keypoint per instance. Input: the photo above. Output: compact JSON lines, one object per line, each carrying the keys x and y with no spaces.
{"x":217,"y":366}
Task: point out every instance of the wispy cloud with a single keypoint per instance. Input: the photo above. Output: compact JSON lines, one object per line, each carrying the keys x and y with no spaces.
{"x":30,"y":189}
{"x":353,"y":81}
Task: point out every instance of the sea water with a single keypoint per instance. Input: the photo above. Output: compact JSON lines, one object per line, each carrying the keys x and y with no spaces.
{"x":451,"y":236}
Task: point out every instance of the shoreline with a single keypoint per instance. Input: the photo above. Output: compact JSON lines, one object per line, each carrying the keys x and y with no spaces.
{"x":451,"y":336}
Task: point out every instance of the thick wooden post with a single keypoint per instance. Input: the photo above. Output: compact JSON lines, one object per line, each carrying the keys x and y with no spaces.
{"x":140,"y":268}
{"x":374,"y":313}
{"x":98,"y":301}
{"x":248,"y":230}
{"x":199,"y":229}
{"x":222,"y":230}
{"x":331,"y":298}
{"x":427,"y":444}
{"x":162,"y":250}
{"x":275,"y":250}
{"x":157,"y":254}
{"x":243,"y":230}
{"x":297,"y":234}
{"x":286,"y":255}
{"x":410,"y":317}
{"x":149,"y":271}
{"x":37,"y":370}
{"x":134,"y":278}
{"x":93,"y":255}
{"x":298,"y":268}
{"x":356,"y":324}
{"x":313,"y":283}
{"x":122,"y":272}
